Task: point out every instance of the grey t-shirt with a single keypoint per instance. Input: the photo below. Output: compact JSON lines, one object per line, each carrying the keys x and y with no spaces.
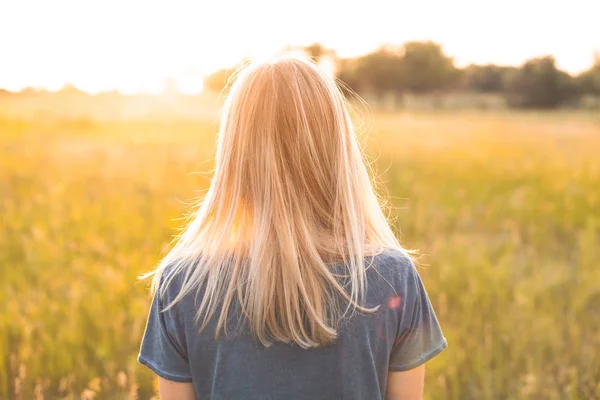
{"x":403,"y":334}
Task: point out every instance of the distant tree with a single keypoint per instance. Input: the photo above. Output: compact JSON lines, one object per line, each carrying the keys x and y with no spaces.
{"x":416,"y":67}
{"x":346,"y":75}
{"x":588,"y":82}
{"x":426,"y":68}
{"x":380,"y":71}
{"x":110,"y":94}
{"x":315,"y":51}
{"x":67,"y":91}
{"x":487,"y":78}
{"x":540,"y":84}
{"x":29,"y":92}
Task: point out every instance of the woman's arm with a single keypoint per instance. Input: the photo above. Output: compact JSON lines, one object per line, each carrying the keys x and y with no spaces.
{"x":170,"y":390}
{"x":406,"y":385}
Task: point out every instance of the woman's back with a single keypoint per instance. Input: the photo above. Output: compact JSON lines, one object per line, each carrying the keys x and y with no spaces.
{"x":290,"y":199}
{"x":401,"y":335}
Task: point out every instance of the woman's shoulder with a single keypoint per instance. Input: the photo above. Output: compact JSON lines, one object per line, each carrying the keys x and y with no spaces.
{"x":392,"y":277}
{"x":174,"y":277}
{"x":392,"y":266}
{"x":394,"y":261}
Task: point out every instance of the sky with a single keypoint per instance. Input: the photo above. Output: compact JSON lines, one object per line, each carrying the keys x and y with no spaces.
{"x":134,"y":46}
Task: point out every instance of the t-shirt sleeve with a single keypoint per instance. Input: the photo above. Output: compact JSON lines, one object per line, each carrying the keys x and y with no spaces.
{"x":163,"y":348}
{"x":419,"y":337}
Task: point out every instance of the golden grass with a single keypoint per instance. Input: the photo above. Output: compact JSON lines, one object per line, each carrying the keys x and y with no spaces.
{"x":505,"y":208}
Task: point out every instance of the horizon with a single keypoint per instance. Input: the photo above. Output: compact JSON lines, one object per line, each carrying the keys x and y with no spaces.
{"x":141,"y":48}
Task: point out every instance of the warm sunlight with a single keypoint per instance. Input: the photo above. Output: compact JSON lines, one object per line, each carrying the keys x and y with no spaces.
{"x":465,"y":130}
{"x":142,"y":46}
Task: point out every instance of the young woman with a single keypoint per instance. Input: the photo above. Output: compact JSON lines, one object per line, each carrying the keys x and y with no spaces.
{"x":288,"y":282}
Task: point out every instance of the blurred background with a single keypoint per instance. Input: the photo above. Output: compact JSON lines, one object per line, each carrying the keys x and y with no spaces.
{"x":482,"y":123}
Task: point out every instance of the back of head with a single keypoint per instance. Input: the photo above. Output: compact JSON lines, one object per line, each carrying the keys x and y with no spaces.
{"x":290,"y":195}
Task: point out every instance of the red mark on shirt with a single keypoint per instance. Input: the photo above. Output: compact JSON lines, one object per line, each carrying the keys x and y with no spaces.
{"x":394,"y":302}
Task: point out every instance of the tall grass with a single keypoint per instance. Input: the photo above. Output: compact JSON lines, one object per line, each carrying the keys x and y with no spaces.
{"x":504,"y":207}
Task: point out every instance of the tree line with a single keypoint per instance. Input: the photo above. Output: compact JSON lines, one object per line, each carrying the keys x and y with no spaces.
{"x":422,"y":68}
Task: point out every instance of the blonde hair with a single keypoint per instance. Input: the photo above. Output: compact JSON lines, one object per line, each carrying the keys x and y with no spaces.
{"x":290,"y":196}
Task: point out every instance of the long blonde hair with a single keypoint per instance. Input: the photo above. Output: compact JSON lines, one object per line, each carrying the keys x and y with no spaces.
{"x":290,"y":196}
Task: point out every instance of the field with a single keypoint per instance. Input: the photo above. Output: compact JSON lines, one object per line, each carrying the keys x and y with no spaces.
{"x":505,"y":209}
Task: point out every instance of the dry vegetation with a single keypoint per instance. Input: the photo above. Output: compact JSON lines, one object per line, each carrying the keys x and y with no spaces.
{"x":504,"y":207}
